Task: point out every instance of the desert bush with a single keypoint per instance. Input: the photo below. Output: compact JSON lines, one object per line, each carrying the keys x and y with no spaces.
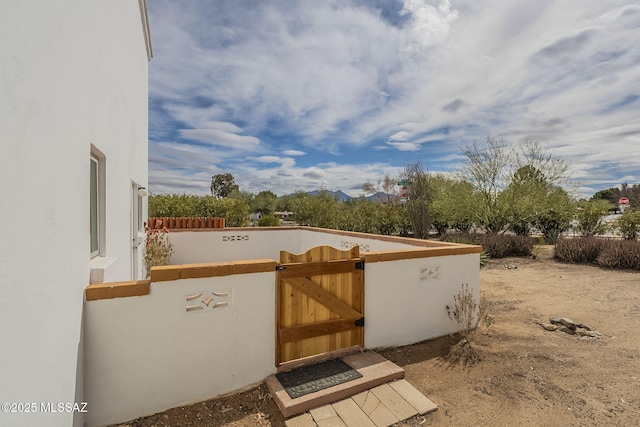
{"x":624,"y":254}
{"x":629,"y":224}
{"x":505,"y":245}
{"x":316,"y":211}
{"x":268,"y":221}
{"x":464,"y":311}
{"x":234,"y":211}
{"x":495,"y":245}
{"x":556,"y":214}
{"x":158,"y":247}
{"x":590,"y":217}
{"x":579,"y":250}
{"x":484,"y":259}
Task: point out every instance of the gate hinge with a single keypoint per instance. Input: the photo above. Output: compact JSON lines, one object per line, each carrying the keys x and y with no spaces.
{"x":279,"y":268}
{"x":360,"y":322}
{"x":360,"y":265}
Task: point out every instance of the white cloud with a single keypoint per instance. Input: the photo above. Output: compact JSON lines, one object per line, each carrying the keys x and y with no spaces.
{"x":429,"y":24}
{"x":285,"y":162}
{"x":293,"y":153}
{"x":314,"y":172}
{"x":404,"y":146}
{"x":220,"y":137}
{"x":403,"y":135}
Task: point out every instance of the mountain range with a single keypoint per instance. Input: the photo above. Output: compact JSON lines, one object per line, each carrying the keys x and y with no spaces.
{"x":339,"y":195}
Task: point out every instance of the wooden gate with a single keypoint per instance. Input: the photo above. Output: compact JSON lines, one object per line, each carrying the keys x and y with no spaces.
{"x":319,"y":302}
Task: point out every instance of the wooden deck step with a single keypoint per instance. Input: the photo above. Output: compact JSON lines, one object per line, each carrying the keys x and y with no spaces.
{"x":382,"y":406}
{"x":375,"y":370}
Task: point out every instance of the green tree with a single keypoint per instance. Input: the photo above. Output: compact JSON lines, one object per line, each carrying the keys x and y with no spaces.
{"x":172,"y":205}
{"x":420,"y":198}
{"x":487,"y":170}
{"x":443,"y":205}
{"x":222,"y":185}
{"x":283,"y":204}
{"x":629,"y":224}
{"x":463,"y":208}
{"x":507,"y":179}
{"x":268,"y":221}
{"x":556,"y":210}
{"x":264,"y":202}
{"x":235,"y":211}
{"x":590,"y":217}
{"x":315,"y":211}
{"x":526,"y":198}
{"x":610,"y":195}
{"x":245,"y":196}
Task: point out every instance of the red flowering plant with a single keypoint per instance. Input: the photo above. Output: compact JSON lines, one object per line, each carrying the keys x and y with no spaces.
{"x":158,"y":247}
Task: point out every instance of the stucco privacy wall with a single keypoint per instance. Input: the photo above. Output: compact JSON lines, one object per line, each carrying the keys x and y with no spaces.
{"x":148,"y":353}
{"x":73,"y":73}
{"x":344,"y":240}
{"x":231,"y":244}
{"x":405,"y":300}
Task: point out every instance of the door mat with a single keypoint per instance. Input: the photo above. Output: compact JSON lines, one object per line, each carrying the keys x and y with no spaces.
{"x":309,"y":379}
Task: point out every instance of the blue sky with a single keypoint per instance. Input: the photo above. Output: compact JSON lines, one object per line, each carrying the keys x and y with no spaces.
{"x":298,"y":95}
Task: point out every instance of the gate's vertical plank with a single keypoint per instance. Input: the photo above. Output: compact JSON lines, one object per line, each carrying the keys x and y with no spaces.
{"x":308,"y":315}
{"x":279,"y":285}
{"x":357,"y":295}
{"x":295,"y":318}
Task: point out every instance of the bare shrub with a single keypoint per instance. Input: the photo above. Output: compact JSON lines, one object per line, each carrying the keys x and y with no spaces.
{"x":579,"y":250}
{"x":496,"y":245}
{"x":158,"y":247}
{"x":464,"y":311}
{"x":620,"y":254}
{"x":468,"y":313}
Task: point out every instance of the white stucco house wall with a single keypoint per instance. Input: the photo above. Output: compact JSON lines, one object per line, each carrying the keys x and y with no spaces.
{"x":73,"y":153}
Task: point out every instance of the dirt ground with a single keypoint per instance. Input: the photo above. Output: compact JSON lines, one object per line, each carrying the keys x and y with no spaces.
{"x":526,"y":375}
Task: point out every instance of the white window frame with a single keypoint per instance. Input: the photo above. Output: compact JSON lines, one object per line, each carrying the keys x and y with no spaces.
{"x":99,"y":191}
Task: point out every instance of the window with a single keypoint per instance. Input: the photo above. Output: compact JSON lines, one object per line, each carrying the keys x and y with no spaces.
{"x":97,"y":204}
{"x":94,"y":206}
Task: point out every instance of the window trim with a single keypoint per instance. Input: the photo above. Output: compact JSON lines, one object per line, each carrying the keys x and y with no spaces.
{"x":99,"y":160}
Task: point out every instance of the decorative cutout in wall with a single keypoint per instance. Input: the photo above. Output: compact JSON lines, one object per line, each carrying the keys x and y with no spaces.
{"x":237,"y":238}
{"x":430,"y":272}
{"x":203,"y":301}
{"x":349,"y":245}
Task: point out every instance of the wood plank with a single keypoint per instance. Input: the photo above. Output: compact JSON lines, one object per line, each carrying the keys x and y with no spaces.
{"x":324,"y":297}
{"x":309,"y":312}
{"x":318,"y":268}
{"x":279,"y":286}
{"x":300,"y":332}
{"x":319,"y":253}
{"x":294,"y":349}
{"x":358,"y":290}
